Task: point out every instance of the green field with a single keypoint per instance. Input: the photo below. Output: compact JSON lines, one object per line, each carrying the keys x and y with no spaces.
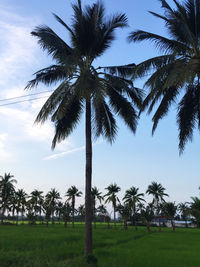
{"x":36,"y":246}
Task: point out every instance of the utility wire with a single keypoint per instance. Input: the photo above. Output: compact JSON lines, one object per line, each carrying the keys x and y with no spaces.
{"x":7,"y":99}
{"x":12,"y":103}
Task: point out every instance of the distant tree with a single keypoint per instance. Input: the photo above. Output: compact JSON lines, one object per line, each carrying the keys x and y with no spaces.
{"x":52,"y":198}
{"x":59,"y":208}
{"x":21,"y":196}
{"x":195,"y":209}
{"x":36,"y":202}
{"x":72,"y":193}
{"x":102,"y":211}
{"x":158,"y":192}
{"x":81,"y":211}
{"x":147,"y":215}
{"x":132,"y":198}
{"x":185,"y":212}
{"x":96,"y":195}
{"x":125,"y":213}
{"x":113,"y":189}
{"x":170,"y":212}
{"x":66,"y":211}
{"x":7,"y":189}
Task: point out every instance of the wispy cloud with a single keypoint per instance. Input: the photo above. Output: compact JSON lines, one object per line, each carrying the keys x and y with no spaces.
{"x":70,"y":151}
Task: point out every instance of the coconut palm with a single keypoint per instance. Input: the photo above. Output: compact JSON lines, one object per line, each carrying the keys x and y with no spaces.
{"x":102,"y":211}
{"x":132,"y":198}
{"x":84,"y":87}
{"x":81,"y":211}
{"x":36,"y":201}
{"x":113,"y":189}
{"x":125,"y":213}
{"x":147,"y":215}
{"x":158,"y":192}
{"x":195,"y":209}
{"x":66,"y":211}
{"x":170,"y":209}
{"x":59,"y":210}
{"x":175,"y":71}
{"x":21,"y":196}
{"x":72,"y":193}
{"x":185,"y":212}
{"x":7,"y":189}
{"x":52,"y":198}
{"x":96,"y":195}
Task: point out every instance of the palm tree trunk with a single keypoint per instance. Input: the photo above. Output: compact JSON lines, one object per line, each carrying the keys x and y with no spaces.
{"x":114,"y":217}
{"x":94,"y":217}
{"x":73,"y":208}
{"x":2,"y":214}
{"x":88,"y":181}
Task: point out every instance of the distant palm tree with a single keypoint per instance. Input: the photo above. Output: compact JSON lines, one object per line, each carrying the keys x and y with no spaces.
{"x":66,"y":211}
{"x":21,"y":196}
{"x":125,"y":212}
{"x":84,"y":86}
{"x":195,"y":209}
{"x":72,"y":193}
{"x":185,"y":212}
{"x":113,"y":189}
{"x":7,"y":189}
{"x":59,"y":210}
{"x":132,"y":198}
{"x":147,"y":215}
{"x":36,"y":201}
{"x":52,"y":198}
{"x":170,"y":212}
{"x":96,"y":195}
{"x":176,"y":71}
{"x":81,"y":211}
{"x":158,"y":193}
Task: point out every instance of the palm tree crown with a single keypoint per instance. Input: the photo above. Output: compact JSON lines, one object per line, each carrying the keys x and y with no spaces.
{"x":177,"y":69}
{"x":157,"y":191}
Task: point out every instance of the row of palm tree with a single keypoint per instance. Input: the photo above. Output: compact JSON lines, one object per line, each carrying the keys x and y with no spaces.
{"x":132,"y":207}
{"x":103,"y":92}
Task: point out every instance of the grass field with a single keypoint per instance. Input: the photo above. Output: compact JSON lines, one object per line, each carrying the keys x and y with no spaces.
{"x":37,"y":246}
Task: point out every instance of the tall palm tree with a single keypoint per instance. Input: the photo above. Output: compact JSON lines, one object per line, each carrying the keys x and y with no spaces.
{"x":81,"y":211}
{"x":132,"y":198}
{"x":72,"y":193}
{"x":113,"y":189}
{"x":52,"y":198}
{"x":7,"y":188}
{"x":96,"y":195}
{"x":170,"y":211}
{"x":147,"y":214}
{"x":176,"y":71}
{"x":84,"y":87}
{"x":158,"y":192}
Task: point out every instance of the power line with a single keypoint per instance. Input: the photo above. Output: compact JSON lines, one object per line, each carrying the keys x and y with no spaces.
{"x":11,"y":98}
{"x":12,"y":103}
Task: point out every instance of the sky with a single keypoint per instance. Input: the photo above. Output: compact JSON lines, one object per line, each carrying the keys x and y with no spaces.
{"x":133,"y":160}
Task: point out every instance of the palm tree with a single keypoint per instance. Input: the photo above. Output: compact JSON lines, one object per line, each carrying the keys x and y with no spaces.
{"x":176,"y":70}
{"x":36,"y":201}
{"x":124,"y":211}
{"x":66,"y":211}
{"x":158,"y":193}
{"x":185,"y":211}
{"x":96,"y":195}
{"x":147,"y":215}
{"x":52,"y":198}
{"x":102,"y":211}
{"x":195,"y":209}
{"x":84,"y":86}
{"x":59,"y":210}
{"x":81,"y":211}
{"x":132,"y":198}
{"x":72,"y":193}
{"x":170,"y":211}
{"x":7,"y":188}
{"x":21,"y":196}
{"x":113,"y":189}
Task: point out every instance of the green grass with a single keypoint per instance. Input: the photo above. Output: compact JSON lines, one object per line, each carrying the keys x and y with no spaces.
{"x":35,"y":246}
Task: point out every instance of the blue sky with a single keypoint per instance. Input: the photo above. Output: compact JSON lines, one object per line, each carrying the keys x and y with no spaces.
{"x":25,"y":149}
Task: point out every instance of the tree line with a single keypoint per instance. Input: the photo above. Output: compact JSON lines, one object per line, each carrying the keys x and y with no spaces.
{"x":133,"y":208}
